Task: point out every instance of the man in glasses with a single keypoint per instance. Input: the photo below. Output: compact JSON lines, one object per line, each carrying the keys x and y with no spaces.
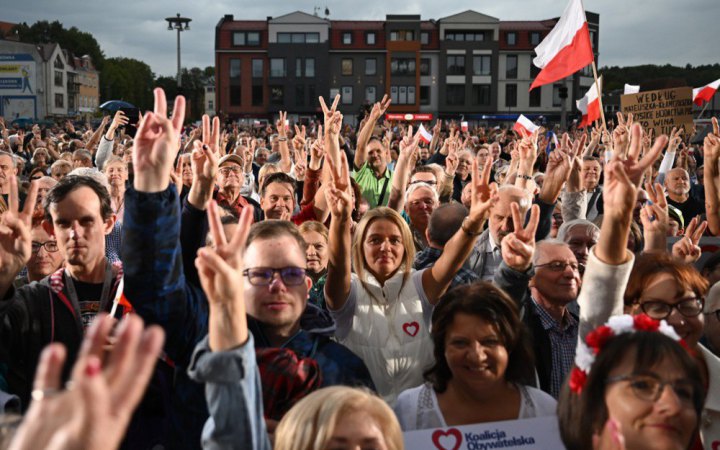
{"x":230,"y":179}
{"x":161,"y":288}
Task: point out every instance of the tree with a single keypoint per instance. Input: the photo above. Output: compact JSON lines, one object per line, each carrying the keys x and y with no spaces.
{"x":129,"y":80}
{"x":74,"y":40}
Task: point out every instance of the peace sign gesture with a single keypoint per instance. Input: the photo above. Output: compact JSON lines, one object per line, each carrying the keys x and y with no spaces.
{"x":221,"y":274}
{"x":299,"y":138}
{"x":380,"y":107}
{"x":337,"y":193}
{"x":654,"y":215}
{"x":280,"y":125}
{"x":15,"y":240}
{"x":518,"y":247}
{"x":483,"y":196}
{"x":329,"y":112}
{"x":686,"y":249}
{"x":634,"y":165}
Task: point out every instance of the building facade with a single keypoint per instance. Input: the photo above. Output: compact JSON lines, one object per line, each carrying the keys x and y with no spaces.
{"x":465,"y":65}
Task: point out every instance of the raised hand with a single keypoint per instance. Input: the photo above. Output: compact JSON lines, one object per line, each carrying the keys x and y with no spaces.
{"x":686,"y":249}
{"x":337,"y":193}
{"x":156,"y":144}
{"x":675,"y":139}
{"x":635,"y":166}
{"x":298,"y":140}
{"x":451,"y":164}
{"x":619,"y":192}
{"x":221,"y":272}
{"x":119,"y":120}
{"x":518,"y":247}
{"x":281,"y":124}
{"x":317,"y":150}
{"x":654,"y":215}
{"x":328,"y":112}
{"x":205,"y":154}
{"x":557,"y":173}
{"x":483,"y":196}
{"x":621,"y":134}
{"x":15,"y":240}
{"x":106,"y":388}
{"x":379,"y":108}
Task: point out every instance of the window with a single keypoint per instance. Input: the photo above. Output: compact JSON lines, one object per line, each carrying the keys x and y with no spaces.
{"x":403,"y":66}
{"x":298,"y":38}
{"x":311,"y":94}
{"x":58,"y":78}
{"x":210,"y":104}
{"x":310,"y":67}
{"x":481,"y":94}
{"x":511,"y":38}
{"x":370,"y":38}
{"x":347,"y":94}
{"x":299,"y":95}
{"x":424,"y":95}
{"x":536,"y":97}
{"x":277,"y":95}
{"x":402,"y":35}
{"x":370,"y":96}
{"x":298,"y":67}
{"x":424,"y":38}
{"x":58,"y":63}
{"x":557,"y":101}
{"x":425,"y":66}
{"x":511,"y":63}
{"x":534,"y":70}
{"x":257,"y":68}
{"x":235,"y":86}
{"x":347,"y":66}
{"x":347,"y":38}
{"x":242,"y":38}
{"x":470,"y":36}
{"x":592,"y":39}
{"x":534,"y":38}
{"x":510,"y":95}
{"x":277,"y":67}
{"x":482,"y":65}
{"x":455,"y":94}
{"x":403,"y":95}
{"x":455,"y":65}
{"x":59,"y":100}
{"x":370,"y":66}
{"x":257,"y":95}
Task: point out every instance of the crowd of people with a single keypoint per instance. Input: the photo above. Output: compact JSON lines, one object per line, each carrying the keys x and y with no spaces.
{"x":315,"y":286}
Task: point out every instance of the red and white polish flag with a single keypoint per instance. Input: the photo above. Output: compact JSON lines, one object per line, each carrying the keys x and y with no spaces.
{"x":705,"y":93}
{"x":566,"y":49}
{"x":524,"y":126}
{"x":464,"y":126}
{"x":589,"y":105}
{"x":425,"y":135}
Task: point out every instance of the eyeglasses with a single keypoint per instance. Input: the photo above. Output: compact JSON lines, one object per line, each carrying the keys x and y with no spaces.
{"x":559,"y":266}
{"x":649,"y":387}
{"x":50,"y":246}
{"x":659,"y":310}
{"x":263,"y":276}
{"x":227,"y":170}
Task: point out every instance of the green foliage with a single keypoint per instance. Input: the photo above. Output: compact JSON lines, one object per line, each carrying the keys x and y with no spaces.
{"x":129,"y":80}
{"x":616,"y":77}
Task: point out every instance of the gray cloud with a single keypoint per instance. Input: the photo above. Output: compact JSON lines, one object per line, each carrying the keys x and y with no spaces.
{"x":631,"y":32}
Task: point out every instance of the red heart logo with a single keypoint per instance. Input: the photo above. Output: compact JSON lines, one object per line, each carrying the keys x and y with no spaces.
{"x":447,"y":440}
{"x":716,"y":445}
{"x":411,"y":328}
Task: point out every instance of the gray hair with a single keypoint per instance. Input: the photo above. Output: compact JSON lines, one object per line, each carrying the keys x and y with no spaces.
{"x":415,"y":186}
{"x":547,"y":243}
{"x":566,"y":227}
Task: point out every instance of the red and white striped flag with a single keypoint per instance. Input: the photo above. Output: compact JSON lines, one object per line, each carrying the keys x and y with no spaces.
{"x":566,"y":49}
{"x":705,"y":93}
{"x":425,"y":135}
{"x":524,"y":126}
{"x":464,"y":126}
{"x":589,"y":105}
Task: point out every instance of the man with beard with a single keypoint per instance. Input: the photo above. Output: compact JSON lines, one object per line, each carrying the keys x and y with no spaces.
{"x":677,"y":184}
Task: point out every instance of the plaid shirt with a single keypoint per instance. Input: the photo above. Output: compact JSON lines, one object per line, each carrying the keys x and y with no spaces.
{"x":427,"y":258}
{"x":563,"y":340}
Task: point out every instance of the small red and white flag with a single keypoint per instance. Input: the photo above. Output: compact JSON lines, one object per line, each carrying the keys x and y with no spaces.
{"x":425,"y":135}
{"x":524,"y":126}
{"x":566,"y":49}
{"x":705,"y":93}
{"x":631,"y":89}
{"x":464,"y":127}
{"x":589,"y":105}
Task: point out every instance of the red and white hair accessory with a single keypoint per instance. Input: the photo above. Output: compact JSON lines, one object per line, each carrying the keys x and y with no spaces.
{"x":596,"y":340}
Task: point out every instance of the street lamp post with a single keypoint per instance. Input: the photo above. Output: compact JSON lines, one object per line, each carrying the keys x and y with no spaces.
{"x":180,"y":24}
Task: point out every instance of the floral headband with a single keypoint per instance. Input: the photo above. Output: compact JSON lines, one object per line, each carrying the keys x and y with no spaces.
{"x":596,"y":340}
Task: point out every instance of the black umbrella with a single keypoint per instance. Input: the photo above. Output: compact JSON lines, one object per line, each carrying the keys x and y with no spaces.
{"x":114,"y":105}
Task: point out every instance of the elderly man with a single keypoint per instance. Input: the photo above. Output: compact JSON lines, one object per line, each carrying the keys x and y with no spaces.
{"x":712,"y":319}
{"x":486,"y":258}
{"x":82,"y":158}
{"x":552,"y":274}
{"x":229,"y":183}
{"x":421,"y":199}
{"x":677,"y":185}
{"x":580,"y":235}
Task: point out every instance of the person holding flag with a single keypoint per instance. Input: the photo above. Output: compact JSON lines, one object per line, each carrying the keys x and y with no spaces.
{"x":589,"y":105}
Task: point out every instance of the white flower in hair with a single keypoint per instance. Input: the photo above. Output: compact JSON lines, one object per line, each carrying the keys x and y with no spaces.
{"x":621,"y":324}
{"x":584,"y":357}
{"x":668,"y":330}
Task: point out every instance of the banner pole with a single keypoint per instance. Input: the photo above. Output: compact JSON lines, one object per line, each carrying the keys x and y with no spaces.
{"x":602,"y":109}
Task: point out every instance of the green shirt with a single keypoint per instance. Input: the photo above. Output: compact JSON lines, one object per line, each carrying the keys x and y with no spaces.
{"x":371,"y":187}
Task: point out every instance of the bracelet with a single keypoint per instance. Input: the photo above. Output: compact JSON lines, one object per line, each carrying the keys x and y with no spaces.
{"x":468,"y":232}
{"x":282,"y":139}
{"x":525,"y":177}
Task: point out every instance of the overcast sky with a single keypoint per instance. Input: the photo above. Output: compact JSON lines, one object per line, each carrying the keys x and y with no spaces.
{"x":632,"y":32}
